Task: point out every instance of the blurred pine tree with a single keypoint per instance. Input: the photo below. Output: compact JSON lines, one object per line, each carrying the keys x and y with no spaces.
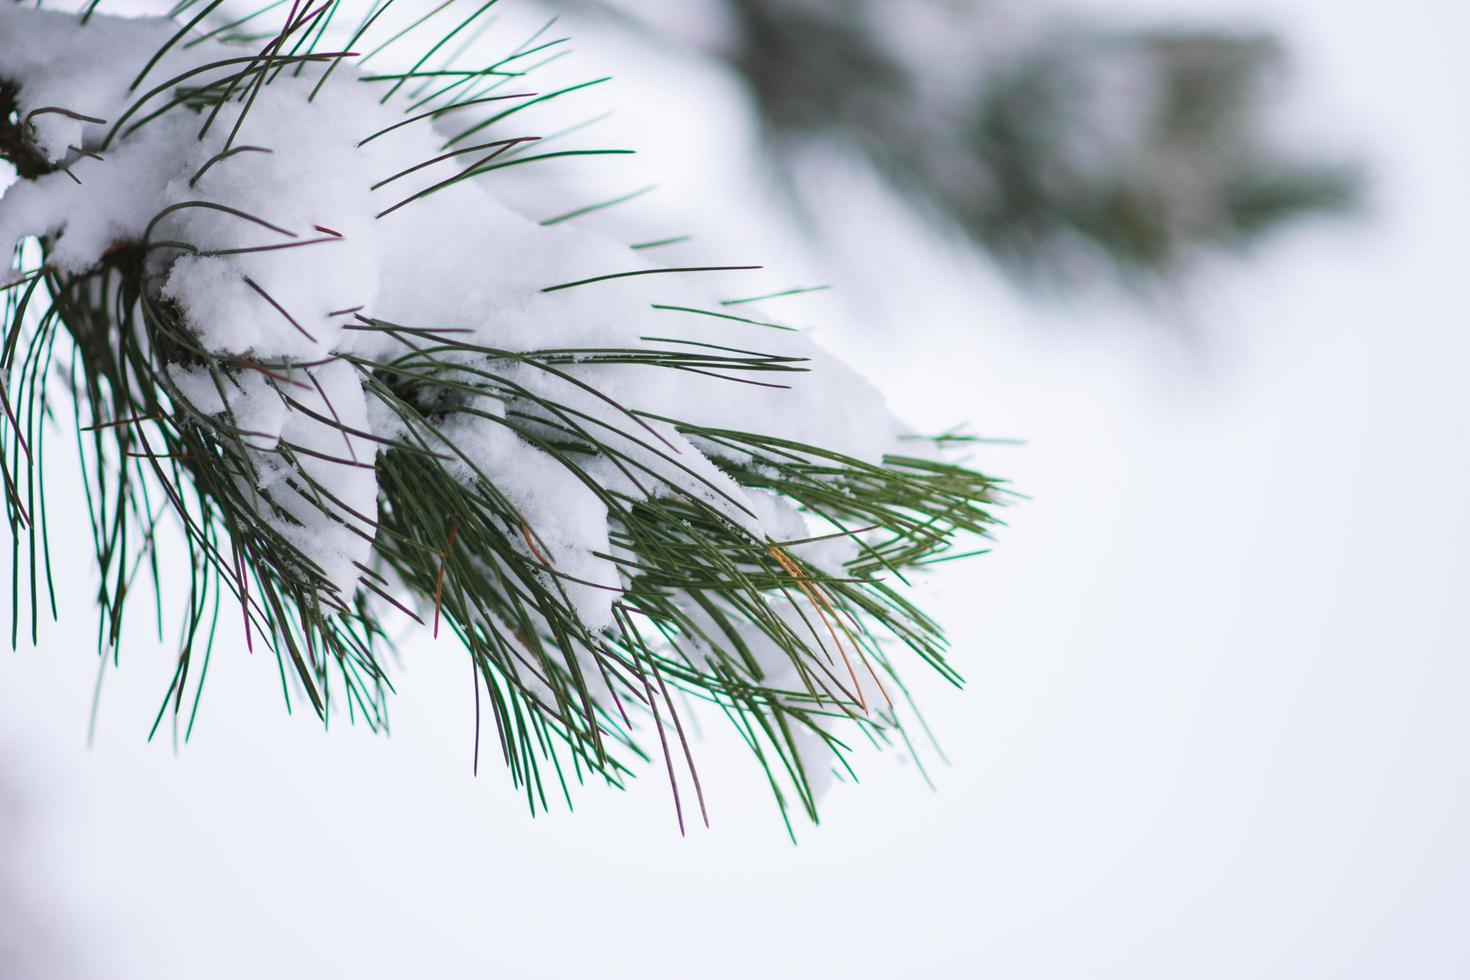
{"x":1052,"y":142}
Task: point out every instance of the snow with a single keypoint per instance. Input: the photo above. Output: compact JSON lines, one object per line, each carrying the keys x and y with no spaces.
{"x":264,"y":249}
{"x":55,"y":58}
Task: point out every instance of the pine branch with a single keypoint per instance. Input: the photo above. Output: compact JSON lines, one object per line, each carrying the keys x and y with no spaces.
{"x":558,"y":498}
{"x":1061,"y":146}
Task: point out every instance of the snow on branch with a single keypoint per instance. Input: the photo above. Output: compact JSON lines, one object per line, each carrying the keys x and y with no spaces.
{"x":361,"y":383}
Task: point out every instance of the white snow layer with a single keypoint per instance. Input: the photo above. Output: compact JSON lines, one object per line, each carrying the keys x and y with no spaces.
{"x":457,"y":259}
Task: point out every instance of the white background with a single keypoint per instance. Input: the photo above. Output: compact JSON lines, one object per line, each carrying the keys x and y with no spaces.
{"x":1215,"y":722}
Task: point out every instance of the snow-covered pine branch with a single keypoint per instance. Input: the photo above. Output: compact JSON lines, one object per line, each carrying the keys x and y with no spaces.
{"x":302,"y":320}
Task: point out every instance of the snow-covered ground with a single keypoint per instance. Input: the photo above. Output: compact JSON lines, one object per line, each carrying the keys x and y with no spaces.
{"x":1214,"y":724}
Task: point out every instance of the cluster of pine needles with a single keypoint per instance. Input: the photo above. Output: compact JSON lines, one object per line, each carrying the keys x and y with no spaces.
{"x":95,"y":349}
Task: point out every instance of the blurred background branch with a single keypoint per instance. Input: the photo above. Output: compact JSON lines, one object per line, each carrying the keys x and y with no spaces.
{"x":1069,"y":149}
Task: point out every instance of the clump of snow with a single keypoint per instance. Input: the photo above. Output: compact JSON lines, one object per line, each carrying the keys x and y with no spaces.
{"x":64,"y":64}
{"x":272,"y":251}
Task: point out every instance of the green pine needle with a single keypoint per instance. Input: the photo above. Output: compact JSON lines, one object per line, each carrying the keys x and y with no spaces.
{"x":451,"y":552}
